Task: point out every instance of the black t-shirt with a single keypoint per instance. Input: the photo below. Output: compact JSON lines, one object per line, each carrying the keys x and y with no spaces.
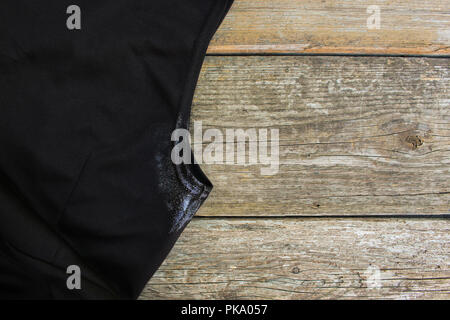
{"x":90,"y":93}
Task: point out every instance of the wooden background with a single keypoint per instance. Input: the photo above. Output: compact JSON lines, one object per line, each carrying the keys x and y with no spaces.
{"x":363,"y":186}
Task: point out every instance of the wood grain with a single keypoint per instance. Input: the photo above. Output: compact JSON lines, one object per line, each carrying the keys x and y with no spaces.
{"x":307,"y":259}
{"x":334,"y":26}
{"x":358,"y":135}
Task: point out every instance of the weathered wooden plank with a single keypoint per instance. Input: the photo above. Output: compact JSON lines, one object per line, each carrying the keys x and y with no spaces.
{"x":358,"y":136}
{"x":334,"y":26}
{"x":295,"y":258}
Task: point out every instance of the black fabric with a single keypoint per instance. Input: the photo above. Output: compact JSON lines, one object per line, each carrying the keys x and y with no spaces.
{"x":86,"y":118}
